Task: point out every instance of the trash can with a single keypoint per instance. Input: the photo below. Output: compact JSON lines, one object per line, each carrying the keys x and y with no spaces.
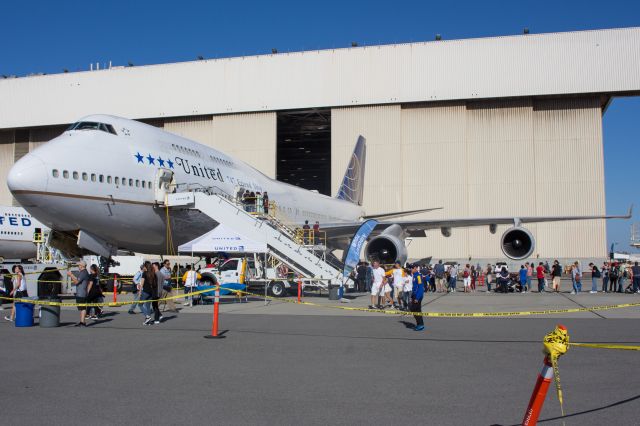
{"x":50,"y":314}
{"x":334,"y":293}
{"x":24,"y":314}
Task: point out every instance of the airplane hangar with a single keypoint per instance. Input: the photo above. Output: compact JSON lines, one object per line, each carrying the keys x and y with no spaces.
{"x":501,"y":126}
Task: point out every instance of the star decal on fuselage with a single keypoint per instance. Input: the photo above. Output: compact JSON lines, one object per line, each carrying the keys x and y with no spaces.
{"x":139,"y":157}
{"x":160,"y":162}
{"x":150,"y":159}
{"x":170,"y":164}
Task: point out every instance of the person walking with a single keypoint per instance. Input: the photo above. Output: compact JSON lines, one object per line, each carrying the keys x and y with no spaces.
{"x":523,"y":278}
{"x":622,"y":276}
{"x":167,"y":287}
{"x":19,"y":290}
{"x":439,"y":272}
{"x":556,"y":275}
{"x":417,"y":293}
{"x":94,"y":293}
{"x":595,"y":274}
{"x":474,"y":277}
{"x":157,"y":291}
{"x":136,"y":291}
{"x":81,"y":283}
{"x":576,"y":274}
{"x":147,"y":283}
{"x":540,"y":277}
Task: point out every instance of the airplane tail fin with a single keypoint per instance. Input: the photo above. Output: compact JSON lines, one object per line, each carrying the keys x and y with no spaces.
{"x":352,"y":185}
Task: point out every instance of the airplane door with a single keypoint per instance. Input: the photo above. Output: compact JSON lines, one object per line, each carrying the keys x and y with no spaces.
{"x":164,"y":184}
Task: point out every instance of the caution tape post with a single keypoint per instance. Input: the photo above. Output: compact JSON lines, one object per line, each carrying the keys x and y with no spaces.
{"x":299,"y":289}
{"x":216,"y":310}
{"x":115,"y":288}
{"x":555,"y":345}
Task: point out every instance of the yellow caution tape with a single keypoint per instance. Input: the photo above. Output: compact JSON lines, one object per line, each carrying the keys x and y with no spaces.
{"x":606,"y":346}
{"x":443,"y":314}
{"x":556,"y":344}
{"x":122,"y":303}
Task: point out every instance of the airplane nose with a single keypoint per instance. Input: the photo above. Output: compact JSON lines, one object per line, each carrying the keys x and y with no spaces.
{"x":28,"y":175}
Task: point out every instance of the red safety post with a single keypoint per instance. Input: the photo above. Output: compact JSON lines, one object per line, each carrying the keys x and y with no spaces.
{"x":299,"y":289}
{"x":539,"y":394}
{"x":216,"y":311}
{"x":115,"y":288}
{"x":555,"y":344}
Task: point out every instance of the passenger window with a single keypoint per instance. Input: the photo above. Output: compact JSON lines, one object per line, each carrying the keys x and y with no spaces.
{"x":124,"y":181}
{"x":55,"y":173}
{"x":130,"y":182}
{"x":117,"y":181}
{"x":93,"y":177}
{"x":84,"y":176}
{"x":149,"y":185}
{"x":75,"y":175}
{"x":143,"y":184}
{"x":65,"y":174}
{"x":101,"y":178}
{"x":137,"y":183}
{"x":108,"y":179}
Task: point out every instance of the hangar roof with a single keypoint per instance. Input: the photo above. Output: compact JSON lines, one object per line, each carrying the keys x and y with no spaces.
{"x":598,"y":61}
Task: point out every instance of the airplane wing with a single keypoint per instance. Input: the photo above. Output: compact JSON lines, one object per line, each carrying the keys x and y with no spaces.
{"x":418,"y":228}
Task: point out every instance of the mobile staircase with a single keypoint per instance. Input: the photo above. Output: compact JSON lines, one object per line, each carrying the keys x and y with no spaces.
{"x":280,"y":239}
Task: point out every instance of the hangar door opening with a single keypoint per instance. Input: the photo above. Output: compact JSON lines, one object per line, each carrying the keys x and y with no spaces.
{"x":304,"y":149}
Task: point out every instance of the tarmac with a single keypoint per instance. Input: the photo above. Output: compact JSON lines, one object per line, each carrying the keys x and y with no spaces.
{"x":284,"y":363}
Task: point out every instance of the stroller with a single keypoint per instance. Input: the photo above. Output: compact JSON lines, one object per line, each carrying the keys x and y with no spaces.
{"x":507,"y":285}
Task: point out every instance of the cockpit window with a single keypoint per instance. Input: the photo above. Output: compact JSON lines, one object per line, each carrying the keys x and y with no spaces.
{"x":92,"y":125}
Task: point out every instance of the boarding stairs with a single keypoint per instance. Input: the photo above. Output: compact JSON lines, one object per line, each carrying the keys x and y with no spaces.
{"x":279,"y":239}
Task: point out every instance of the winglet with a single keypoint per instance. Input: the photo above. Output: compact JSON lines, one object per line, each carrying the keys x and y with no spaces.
{"x":630,"y":212}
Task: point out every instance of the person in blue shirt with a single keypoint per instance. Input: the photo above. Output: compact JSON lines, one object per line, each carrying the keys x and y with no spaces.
{"x":523,"y":278}
{"x":417,"y":293}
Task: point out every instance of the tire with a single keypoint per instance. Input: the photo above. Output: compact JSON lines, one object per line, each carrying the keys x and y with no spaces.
{"x":277,"y":289}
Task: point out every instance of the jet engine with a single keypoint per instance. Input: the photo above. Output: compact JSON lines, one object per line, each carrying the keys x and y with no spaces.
{"x":388,"y":246}
{"x":517,"y":243}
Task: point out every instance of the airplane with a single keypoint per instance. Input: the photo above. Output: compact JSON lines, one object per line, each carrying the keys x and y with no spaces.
{"x":17,"y":229}
{"x":96,"y":186}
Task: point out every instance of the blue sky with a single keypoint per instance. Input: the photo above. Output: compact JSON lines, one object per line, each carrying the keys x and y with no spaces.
{"x":49,"y":36}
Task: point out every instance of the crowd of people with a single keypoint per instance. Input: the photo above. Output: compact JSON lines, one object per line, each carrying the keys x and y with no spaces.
{"x":389,"y":286}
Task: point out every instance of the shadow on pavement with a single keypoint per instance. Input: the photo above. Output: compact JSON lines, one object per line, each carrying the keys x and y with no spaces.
{"x":604,"y":407}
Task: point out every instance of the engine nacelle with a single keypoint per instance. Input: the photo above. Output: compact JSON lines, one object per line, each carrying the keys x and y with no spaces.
{"x":388,"y":246}
{"x":517,"y":243}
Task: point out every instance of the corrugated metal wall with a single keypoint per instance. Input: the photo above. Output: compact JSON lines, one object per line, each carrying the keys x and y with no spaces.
{"x":41,"y":135}
{"x":483,"y":158}
{"x":6,"y":161}
{"x":249,"y":137}
{"x":381,"y":125}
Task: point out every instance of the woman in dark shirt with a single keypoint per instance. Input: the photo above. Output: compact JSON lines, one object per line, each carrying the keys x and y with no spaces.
{"x":148,"y":282}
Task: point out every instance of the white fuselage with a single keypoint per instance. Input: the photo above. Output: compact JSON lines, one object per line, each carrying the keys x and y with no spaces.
{"x":103,"y":183}
{"x":17,"y":228}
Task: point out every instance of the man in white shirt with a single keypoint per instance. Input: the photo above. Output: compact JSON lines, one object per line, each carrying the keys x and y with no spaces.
{"x":378,"y":284}
{"x":398,"y":282}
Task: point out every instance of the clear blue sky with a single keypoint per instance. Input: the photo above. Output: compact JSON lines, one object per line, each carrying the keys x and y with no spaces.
{"x":48,"y":36}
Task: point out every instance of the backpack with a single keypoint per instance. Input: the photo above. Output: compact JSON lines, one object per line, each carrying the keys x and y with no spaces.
{"x":596,"y":272}
{"x":465,"y":274}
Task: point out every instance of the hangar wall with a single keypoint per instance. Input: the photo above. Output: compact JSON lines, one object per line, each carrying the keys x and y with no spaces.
{"x":6,"y":161}
{"x":519,"y":157}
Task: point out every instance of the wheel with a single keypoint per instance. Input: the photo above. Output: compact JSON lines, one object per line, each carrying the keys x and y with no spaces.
{"x":278,"y":289}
